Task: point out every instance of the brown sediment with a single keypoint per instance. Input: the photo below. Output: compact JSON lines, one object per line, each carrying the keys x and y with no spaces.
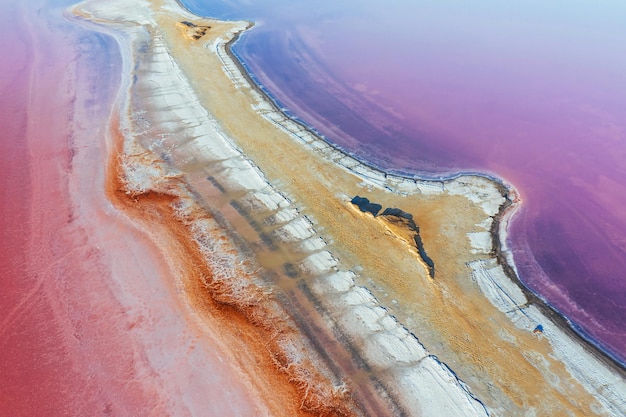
{"x":255,"y":330}
{"x":191,"y":30}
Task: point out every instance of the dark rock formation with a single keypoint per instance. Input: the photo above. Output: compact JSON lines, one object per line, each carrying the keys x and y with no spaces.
{"x":395,"y":215}
{"x":365,"y":206}
{"x":407,"y":219}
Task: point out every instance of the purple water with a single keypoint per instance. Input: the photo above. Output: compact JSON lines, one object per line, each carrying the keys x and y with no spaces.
{"x":534,"y":93}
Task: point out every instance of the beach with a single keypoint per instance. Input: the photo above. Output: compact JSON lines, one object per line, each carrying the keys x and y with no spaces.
{"x":253,"y":265}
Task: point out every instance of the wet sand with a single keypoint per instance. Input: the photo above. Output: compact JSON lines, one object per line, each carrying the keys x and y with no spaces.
{"x":353,"y":281}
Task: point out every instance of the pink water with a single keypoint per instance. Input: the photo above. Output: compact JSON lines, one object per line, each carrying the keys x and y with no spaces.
{"x":91,"y":323}
{"x":532,"y":92}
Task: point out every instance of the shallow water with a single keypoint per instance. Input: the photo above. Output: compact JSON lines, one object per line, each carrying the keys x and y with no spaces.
{"x":532,"y":93}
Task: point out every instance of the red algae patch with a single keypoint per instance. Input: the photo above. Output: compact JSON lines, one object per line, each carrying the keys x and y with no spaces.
{"x":261,"y":338}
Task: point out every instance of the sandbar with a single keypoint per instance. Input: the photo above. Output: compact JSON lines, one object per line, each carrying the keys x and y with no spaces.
{"x":336,"y":307}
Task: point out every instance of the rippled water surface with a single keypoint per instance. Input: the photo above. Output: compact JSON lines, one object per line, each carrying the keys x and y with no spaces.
{"x":531,"y":92}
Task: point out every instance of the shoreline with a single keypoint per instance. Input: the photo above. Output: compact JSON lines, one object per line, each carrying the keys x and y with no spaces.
{"x":371,"y":176}
{"x":261,"y":89}
{"x":504,"y":216}
{"x":508,"y":209}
